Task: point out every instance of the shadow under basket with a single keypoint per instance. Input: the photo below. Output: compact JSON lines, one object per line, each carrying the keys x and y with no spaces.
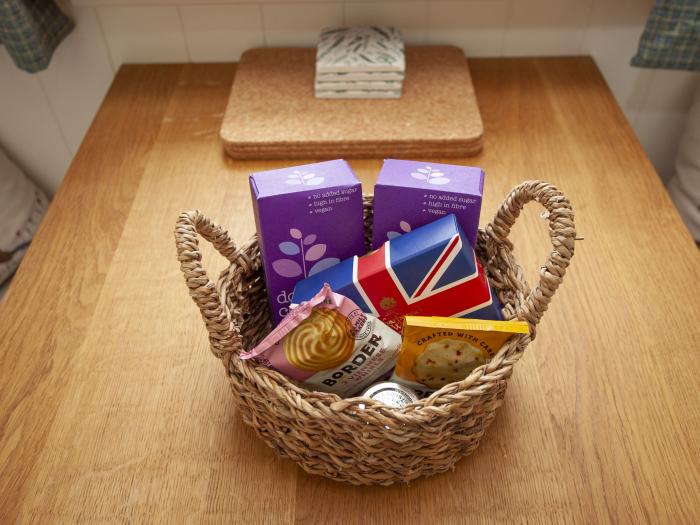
{"x":357,"y":440}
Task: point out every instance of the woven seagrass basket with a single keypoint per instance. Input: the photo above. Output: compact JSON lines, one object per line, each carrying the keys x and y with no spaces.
{"x":357,"y":440}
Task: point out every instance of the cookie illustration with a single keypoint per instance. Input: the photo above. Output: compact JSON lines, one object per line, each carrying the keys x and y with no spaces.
{"x":446,"y":361}
{"x":322,"y":341}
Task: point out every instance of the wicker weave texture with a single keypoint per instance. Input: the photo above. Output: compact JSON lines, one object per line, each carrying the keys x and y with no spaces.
{"x":357,"y":440}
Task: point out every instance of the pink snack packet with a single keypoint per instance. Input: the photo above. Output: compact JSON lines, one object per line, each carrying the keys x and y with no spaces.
{"x":330,"y":345}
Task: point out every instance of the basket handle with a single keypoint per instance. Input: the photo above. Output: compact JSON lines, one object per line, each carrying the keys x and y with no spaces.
{"x":562,"y":233}
{"x":224,"y":338}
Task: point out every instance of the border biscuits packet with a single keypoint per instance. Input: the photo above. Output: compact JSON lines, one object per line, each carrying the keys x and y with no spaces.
{"x":437,"y":351}
{"x":330,"y":345}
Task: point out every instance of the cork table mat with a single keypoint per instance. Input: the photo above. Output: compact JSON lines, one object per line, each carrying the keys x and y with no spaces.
{"x":272,"y":112}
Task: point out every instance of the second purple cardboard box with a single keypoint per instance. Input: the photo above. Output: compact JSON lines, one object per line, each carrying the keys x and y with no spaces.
{"x":410,"y":194}
{"x":308,"y":219}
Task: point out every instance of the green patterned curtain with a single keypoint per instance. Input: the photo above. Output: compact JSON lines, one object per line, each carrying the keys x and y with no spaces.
{"x":31,"y":30}
{"x":671,"y":38}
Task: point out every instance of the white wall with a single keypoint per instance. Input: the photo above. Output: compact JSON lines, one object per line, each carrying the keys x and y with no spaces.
{"x":44,"y":117}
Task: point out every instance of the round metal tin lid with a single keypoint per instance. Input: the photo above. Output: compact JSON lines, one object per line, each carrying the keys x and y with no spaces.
{"x":391,"y":394}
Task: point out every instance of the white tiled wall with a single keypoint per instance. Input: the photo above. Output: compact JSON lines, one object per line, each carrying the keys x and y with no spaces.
{"x":477,"y":26}
{"x":293,"y":24}
{"x":219,"y":33}
{"x":143,"y":34}
{"x":43,"y":117}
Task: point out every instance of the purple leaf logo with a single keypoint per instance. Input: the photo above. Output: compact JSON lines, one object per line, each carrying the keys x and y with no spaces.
{"x":289,"y":248}
{"x":303,"y":250}
{"x":420,"y":174}
{"x":304,"y":177}
{"x":432,"y":175}
{"x":323,"y":264}
{"x":286,"y":267}
{"x":315,"y":252}
{"x":403,"y":226}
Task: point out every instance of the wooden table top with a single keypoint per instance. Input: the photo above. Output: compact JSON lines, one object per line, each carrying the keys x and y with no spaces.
{"x":113,"y":409}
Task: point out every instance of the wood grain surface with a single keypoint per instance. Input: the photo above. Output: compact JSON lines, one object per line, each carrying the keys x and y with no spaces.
{"x":112,"y":409}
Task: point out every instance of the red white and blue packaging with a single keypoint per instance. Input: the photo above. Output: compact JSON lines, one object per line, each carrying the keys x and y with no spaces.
{"x":431,"y":271}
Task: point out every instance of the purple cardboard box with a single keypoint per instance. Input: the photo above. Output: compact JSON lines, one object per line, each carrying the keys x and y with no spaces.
{"x":308,"y":219}
{"x":410,"y":194}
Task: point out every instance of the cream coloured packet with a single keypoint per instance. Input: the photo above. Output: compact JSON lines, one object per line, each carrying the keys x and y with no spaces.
{"x":330,"y":345}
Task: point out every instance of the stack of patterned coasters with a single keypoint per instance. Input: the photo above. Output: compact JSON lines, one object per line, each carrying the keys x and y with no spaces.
{"x":360,"y":62}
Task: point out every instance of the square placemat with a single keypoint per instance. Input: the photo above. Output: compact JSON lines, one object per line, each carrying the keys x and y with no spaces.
{"x":273,"y":114}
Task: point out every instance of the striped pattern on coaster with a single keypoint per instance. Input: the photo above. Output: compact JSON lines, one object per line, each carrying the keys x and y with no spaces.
{"x":358,"y":93}
{"x":360,"y":75}
{"x":372,"y":85}
{"x":350,"y":49}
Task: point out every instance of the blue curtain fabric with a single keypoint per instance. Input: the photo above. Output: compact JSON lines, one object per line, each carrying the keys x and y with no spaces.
{"x":671,"y":38}
{"x":31,"y":30}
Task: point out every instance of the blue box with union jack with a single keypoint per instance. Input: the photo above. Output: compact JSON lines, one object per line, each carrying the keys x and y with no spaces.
{"x":431,"y":270}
